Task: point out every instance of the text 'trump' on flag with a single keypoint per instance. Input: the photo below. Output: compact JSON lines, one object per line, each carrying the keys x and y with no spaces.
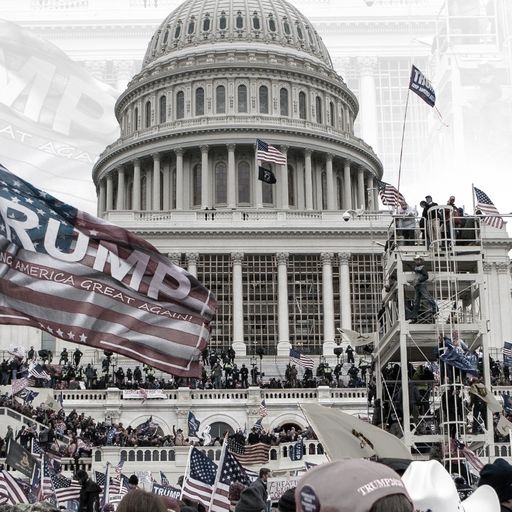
{"x":87,"y":281}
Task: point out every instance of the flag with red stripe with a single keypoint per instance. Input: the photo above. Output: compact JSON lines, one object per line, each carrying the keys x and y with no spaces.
{"x":249,"y":454}
{"x":11,"y":492}
{"x":267,"y":153}
{"x":199,"y":478}
{"x":389,"y":195}
{"x":86,"y":281}
{"x":489,"y":211}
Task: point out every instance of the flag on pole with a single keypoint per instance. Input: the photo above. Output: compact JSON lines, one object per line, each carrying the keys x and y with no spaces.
{"x":18,"y":385}
{"x":47,"y":491}
{"x":163,"y":479}
{"x":507,"y":353}
{"x":263,"y":409}
{"x":28,"y":395}
{"x":86,"y":281}
{"x":119,"y":467}
{"x":11,"y":492}
{"x":249,"y":454}
{"x":230,"y":471}
{"x":389,"y":195}
{"x":39,"y":372}
{"x":489,"y":211}
{"x":258,"y":425}
{"x":266,"y":175}
{"x":20,"y":459}
{"x":469,"y":455}
{"x":65,"y":489}
{"x":422,"y":87}
{"x":199,"y":478}
{"x":300,"y":359}
{"x":297,"y":450}
{"x":267,"y":153}
{"x":193,"y":425}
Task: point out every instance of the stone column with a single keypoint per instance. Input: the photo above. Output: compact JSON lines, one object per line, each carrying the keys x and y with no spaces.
{"x":284,"y":181}
{"x":166,"y":206}
{"x":328,"y":303}
{"x":120,"y":189}
{"x":375,"y":194}
{"x":347,"y":186}
{"x":360,"y":189}
{"x":346,"y":310}
{"x":179,"y":178}
{"x":308,"y":180}
{"x":136,"y":185}
{"x":330,"y":182}
{"x":258,"y":194}
{"x":110,"y":193}
{"x":156,"y":182}
{"x":238,"y":309}
{"x":205,"y":186}
{"x":368,"y":101}
{"x":283,"y":347}
{"x":192,"y":258}
{"x":101,"y":199}
{"x":502,"y":268}
{"x":231,"y":176}
{"x":175,"y":257}
{"x":369,"y":193}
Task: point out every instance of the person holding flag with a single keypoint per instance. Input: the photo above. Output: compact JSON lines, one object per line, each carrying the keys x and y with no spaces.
{"x":89,"y":493}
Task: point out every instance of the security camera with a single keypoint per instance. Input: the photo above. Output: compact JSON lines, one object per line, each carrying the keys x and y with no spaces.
{"x":347,"y":216}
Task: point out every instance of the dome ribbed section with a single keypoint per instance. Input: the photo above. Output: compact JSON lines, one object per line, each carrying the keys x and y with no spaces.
{"x":197,"y":23}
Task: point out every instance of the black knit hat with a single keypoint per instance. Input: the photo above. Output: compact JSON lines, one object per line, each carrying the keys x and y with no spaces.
{"x":250,"y":501}
{"x":287,"y":501}
{"x":499,"y":476}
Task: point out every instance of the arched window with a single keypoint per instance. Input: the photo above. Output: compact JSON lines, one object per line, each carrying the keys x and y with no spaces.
{"x":291,"y":186}
{"x":177,"y":30}
{"x":263,"y":96}
{"x":199,"y":101}
{"x":332,"y":112}
{"x":302,"y":105}
{"x":242,"y":98}
{"x":221,"y":184}
{"x":206,"y":23}
{"x":220,"y":99}
{"x":162,"y":104}
{"x":191,"y":26}
{"x":310,"y":36}
{"x":299,"y":32}
{"x":286,"y":26}
{"x":223,"y":21}
{"x":136,"y":119}
{"x":239,"y":22}
{"x":244,"y":183}
{"x":196,"y":185}
{"x":147,"y":115}
{"x":283,"y":101}
{"x":219,"y":429}
{"x":318,"y":104}
{"x":324,"y":191}
{"x":166,"y":37}
{"x":256,"y":25}
{"x":271,"y":24}
{"x":267,"y":192}
{"x":180,"y":105}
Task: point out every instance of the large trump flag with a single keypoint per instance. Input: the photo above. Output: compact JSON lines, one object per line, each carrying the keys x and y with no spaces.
{"x":89,"y":282}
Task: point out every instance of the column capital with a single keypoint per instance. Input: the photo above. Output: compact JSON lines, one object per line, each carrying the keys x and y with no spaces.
{"x":179,"y":151}
{"x":347,"y":162}
{"x":156,"y":156}
{"x":326,"y":258}
{"x":192,"y":258}
{"x":231,"y":147}
{"x":136,"y":161}
{"x":237,"y":257}
{"x":175,"y":257}
{"x":487,"y":266}
{"x":502,"y":267}
{"x":329,"y":157}
{"x":344,"y":258}
{"x":120,"y":168}
{"x":282,"y":258}
{"x":308,"y":152}
{"x":204,"y":148}
{"x":284,"y":149}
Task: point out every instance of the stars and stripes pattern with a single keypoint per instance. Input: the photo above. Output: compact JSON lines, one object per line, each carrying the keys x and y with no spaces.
{"x":230,"y":471}
{"x":11,"y":492}
{"x":39,"y":372}
{"x":18,"y":385}
{"x":389,"y":195}
{"x":65,"y":489}
{"x":163,"y":479}
{"x":507,"y":353}
{"x":199,"y":480}
{"x":258,"y":426}
{"x":141,"y":306}
{"x":249,"y":454}
{"x":267,"y":153}
{"x":119,"y":467}
{"x":300,"y":359}
{"x":469,"y":455}
{"x":47,"y":491}
{"x":489,"y":211}
{"x":263,"y":409}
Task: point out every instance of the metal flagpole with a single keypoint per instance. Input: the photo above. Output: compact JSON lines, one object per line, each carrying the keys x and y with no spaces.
{"x":402,"y":143}
{"x":219,"y":469}
{"x":186,"y":471}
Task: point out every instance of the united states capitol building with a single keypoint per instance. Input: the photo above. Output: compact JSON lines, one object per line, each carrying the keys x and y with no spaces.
{"x":290,"y":263}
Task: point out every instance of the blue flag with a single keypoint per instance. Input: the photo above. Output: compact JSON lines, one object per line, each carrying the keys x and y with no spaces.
{"x":455,"y":356}
{"x":258,"y":426}
{"x":507,"y":403}
{"x":193,"y":425}
{"x":297,"y":450}
{"x":507,"y":353}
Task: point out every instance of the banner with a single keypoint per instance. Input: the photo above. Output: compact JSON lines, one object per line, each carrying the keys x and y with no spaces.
{"x":166,"y":490}
{"x":276,"y":487}
{"x":20,"y":459}
{"x":193,"y":425}
{"x":148,"y":394}
{"x":422,"y":87}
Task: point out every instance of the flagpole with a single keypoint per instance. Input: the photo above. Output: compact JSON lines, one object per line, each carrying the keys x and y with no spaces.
{"x":41,"y":491}
{"x":219,"y":469}
{"x":402,"y":143}
{"x":106,"y":491}
{"x":186,"y":470}
{"x":473,"y":196}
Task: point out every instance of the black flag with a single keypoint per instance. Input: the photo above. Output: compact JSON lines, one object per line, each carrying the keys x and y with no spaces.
{"x":266,"y":175}
{"x":20,"y":459}
{"x":422,"y":87}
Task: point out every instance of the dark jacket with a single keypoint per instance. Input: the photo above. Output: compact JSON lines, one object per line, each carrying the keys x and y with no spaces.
{"x":90,"y":496}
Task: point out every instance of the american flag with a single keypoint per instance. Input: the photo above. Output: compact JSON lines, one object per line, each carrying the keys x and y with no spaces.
{"x":263,"y":409}
{"x":39,"y":372}
{"x":507,"y":353}
{"x":489,"y":211}
{"x":47,"y":491}
{"x":469,"y":455}
{"x":19,"y":384}
{"x":119,"y":467}
{"x":11,"y":492}
{"x":163,"y":479}
{"x":230,"y":471}
{"x":141,"y":305}
{"x":65,"y":489}
{"x":200,"y":478}
{"x":36,"y":449}
{"x":268,"y":153}
{"x":389,"y":195}
{"x":258,"y":425}
{"x":249,"y":454}
{"x":297,"y":357}
{"x":118,"y":485}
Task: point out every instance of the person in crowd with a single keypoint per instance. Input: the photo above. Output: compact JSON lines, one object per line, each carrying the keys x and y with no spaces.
{"x":420,"y":289}
{"x":133,"y":483}
{"x":77,"y":356}
{"x":430,"y":221}
{"x":406,"y":223}
{"x":260,"y":484}
{"x":498,"y":475}
{"x":350,"y":354}
{"x":286,"y":502}
{"x":64,"y":357}
{"x":352,"y":485}
{"x":244,"y":376}
{"x":141,"y":501}
{"x":89,"y":493}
